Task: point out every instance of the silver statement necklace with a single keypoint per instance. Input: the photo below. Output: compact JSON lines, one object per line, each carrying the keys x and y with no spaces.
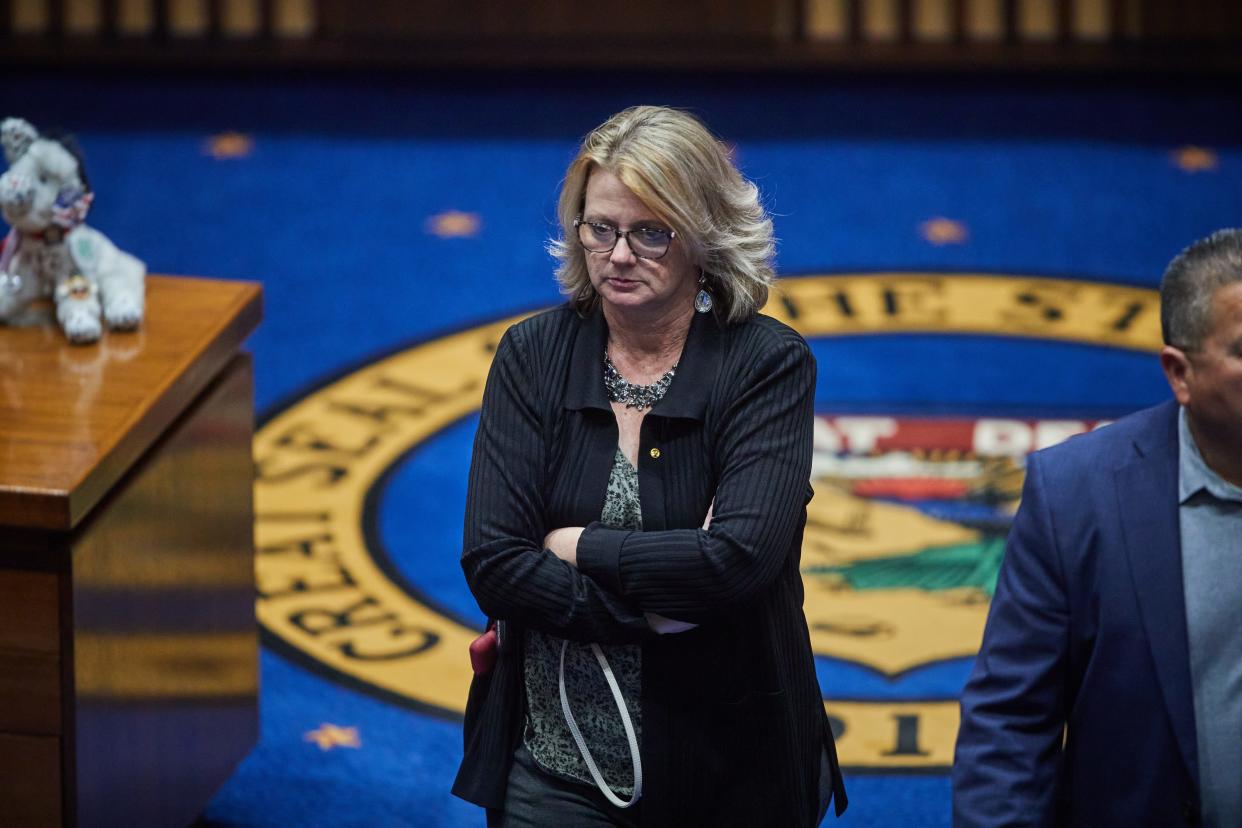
{"x":634,"y":396}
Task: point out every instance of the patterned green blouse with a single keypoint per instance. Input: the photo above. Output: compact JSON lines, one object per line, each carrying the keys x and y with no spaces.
{"x":547,"y":736}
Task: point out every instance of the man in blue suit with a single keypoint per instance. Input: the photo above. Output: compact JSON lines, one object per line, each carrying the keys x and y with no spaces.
{"x":1108,"y":689}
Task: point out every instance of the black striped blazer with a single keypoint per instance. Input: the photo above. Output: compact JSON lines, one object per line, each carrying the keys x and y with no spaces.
{"x":733,"y":721}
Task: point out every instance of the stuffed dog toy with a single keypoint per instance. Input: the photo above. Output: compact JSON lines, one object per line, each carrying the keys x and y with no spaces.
{"x":49,"y":251}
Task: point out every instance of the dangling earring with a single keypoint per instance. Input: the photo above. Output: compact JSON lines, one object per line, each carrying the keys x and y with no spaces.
{"x":703,"y":300}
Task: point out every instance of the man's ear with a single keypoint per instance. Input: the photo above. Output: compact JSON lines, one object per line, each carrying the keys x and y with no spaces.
{"x":1177,"y":369}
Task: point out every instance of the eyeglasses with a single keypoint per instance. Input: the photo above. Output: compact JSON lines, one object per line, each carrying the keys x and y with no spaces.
{"x":644,"y":242}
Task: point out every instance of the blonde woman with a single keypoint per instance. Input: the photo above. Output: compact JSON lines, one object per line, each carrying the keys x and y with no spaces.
{"x":635,"y":514}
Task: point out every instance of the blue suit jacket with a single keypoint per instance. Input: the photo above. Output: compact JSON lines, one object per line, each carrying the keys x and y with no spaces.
{"x":1079,"y":709}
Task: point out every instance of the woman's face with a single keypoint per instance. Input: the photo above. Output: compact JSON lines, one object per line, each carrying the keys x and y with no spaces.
{"x":625,"y":282}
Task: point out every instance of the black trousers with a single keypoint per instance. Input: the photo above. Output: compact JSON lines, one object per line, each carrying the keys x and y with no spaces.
{"x":536,"y":799}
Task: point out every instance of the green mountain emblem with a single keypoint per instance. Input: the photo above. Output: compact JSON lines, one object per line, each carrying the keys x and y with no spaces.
{"x":968,"y":565}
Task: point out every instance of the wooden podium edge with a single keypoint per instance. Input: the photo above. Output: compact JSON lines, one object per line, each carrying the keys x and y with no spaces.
{"x":189,"y":380}
{"x":56,"y":510}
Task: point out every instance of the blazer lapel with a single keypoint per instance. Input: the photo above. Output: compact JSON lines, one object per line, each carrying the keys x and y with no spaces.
{"x":1147,"y":504}
{"x":586,"y":365}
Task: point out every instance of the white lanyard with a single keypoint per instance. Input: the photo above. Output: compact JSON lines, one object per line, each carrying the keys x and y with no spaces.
{"x":625,"y":721}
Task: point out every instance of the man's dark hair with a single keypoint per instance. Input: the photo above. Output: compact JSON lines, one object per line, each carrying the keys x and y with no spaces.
{"x":1189,"y":282}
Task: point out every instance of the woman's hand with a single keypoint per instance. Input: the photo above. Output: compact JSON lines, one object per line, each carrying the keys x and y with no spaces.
{"x":563,"y":543}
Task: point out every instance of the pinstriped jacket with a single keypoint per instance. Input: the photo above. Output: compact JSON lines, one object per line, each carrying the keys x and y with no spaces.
{"x":733,"y":721}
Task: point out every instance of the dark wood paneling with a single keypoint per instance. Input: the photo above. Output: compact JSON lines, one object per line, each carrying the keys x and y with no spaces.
{"x":56,"y":17}
{"x":553,"y":19}
{"x":1065,"y":20}
{"x":905,"y":21}
{"x":109,"y":18}
{"x":29,"y":781}
{"x":1148,"y":37}
{"x":267,"y":19}
{"x":29,"y":608}
{"x":215,"y":18}
{"x":1118,"y":14}
{"x":161,"y":24}
{"x":30,"y":693}
{"x":1190,"y":22}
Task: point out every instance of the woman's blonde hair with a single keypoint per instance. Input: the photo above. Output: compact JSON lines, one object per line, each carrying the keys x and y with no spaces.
{"x":684,"y":175}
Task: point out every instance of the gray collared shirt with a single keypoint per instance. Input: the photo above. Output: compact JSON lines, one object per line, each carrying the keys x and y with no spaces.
{"x":1210,"y":519}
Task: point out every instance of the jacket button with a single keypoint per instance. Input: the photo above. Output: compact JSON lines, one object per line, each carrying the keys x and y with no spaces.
{"x":655,"y":454}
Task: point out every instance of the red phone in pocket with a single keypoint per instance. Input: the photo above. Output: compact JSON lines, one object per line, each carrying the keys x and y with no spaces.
{"x":483,"y":650}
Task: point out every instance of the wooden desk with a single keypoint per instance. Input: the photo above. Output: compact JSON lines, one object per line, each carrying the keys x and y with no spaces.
{"x":128,"y":645}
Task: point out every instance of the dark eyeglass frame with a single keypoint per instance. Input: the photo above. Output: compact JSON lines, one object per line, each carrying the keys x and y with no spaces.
{"x":619,"y":234}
